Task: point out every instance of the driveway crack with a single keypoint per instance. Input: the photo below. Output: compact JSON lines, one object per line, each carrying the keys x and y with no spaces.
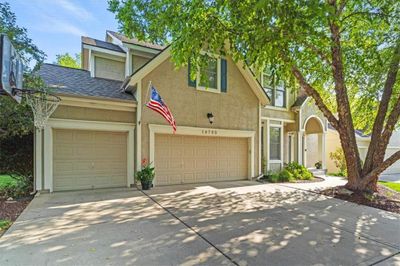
{"x":191,"y":229}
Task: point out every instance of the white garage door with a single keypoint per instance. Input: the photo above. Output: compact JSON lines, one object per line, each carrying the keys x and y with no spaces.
{"x":89,"y":159}
{"x":183,"y":159}
{"x":395,"y":168}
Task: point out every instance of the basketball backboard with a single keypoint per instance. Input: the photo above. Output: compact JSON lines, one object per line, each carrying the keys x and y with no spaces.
{"x":11,"y":68}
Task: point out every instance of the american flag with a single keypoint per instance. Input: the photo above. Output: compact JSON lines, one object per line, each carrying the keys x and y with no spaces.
{"x":157,"y":104}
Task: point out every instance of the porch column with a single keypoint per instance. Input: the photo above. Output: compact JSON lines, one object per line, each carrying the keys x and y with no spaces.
{"x":321,"y":149}
{"x":300,"y":152}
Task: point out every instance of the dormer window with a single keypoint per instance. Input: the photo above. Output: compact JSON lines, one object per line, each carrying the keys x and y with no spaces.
{"x":208,"y":77}
{"x":211,"y":77}
{"x":274,"y":88}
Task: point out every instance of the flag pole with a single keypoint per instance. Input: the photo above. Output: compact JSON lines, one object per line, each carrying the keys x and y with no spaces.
{"x":147,"y":93}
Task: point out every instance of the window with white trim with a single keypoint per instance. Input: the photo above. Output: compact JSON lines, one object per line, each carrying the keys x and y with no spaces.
{"x":208,"y":76}
{"x":274,"y":88}
{"x":275,"y":143}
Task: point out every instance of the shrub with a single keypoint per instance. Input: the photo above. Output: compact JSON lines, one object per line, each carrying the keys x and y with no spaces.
{"x":21,"y":188}
{"x":273,"y":177}
{"x":286,"y":176}
{"x":340,"y":162}
{"x":298,"y":171}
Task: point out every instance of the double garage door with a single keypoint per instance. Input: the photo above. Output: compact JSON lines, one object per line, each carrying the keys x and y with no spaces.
{"x":89,"y":159}
{"x":181,"y":159}
{"x":84,"y":159}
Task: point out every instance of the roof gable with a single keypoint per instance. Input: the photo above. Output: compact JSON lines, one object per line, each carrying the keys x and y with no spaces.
{"x":166,"y":53}
{"x":134,"y":41}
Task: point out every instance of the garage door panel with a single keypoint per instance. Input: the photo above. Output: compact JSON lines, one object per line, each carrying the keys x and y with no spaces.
{"x":192,"y":159}
{"x":89,"y":159}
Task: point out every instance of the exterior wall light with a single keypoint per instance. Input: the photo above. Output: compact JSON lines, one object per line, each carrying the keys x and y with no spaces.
{"x":210,"y":117}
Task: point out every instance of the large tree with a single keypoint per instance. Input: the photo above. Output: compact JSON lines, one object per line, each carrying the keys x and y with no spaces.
{"x":343,"y":53}
{"x":16,"y":120}
{"x":68,"y":60}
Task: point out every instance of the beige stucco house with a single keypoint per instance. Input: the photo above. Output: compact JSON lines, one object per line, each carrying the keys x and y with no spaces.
{"x":101,"y":131}
{"x":333,"y":143}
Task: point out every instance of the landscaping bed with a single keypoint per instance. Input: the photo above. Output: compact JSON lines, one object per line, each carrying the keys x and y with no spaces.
{"x":9,"y":212}
{"x":385,"y":199}
{"x":314,"y":179}
{"x":14,"y":197}
{"x":293,"y":173}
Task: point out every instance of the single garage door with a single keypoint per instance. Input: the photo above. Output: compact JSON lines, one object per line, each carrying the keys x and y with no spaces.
{"x":394,"y":168}
{"x":183,"y":159}
{"x":89,"y":159}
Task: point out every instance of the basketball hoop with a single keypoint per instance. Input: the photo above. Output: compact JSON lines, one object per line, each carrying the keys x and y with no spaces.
{"x":42,"y":103}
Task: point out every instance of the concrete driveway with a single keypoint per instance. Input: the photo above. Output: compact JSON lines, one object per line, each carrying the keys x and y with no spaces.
{"x":242,"y":223}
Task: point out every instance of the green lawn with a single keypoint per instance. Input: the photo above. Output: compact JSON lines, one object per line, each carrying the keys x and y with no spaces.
{"x":5,"y":180}
{"x":392,"y":185}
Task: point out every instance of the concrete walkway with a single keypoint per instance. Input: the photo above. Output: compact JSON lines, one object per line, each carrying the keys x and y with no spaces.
{"x":234,"y":223}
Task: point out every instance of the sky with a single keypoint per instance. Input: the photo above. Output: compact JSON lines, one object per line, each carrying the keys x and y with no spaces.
{"x":56,"y":26}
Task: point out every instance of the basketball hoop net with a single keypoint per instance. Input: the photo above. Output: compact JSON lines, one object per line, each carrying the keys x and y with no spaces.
{"x":42,"y":103}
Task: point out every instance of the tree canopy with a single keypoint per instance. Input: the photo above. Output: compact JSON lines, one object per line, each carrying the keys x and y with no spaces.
{"x":19,"y":36}
{"x":68,"y":60}
{"x":344,"y":54}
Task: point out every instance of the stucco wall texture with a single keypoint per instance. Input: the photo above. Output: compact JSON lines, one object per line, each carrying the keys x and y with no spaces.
{"x":93,"y":114}
{"x":238,"y":109}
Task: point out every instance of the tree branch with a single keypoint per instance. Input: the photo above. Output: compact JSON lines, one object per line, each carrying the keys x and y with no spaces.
{"x":378,"y":141}
{"x":319,"y":52}
{"x":382,"y":167}
{"x":316,"y":96}
{"x":347,"y":134}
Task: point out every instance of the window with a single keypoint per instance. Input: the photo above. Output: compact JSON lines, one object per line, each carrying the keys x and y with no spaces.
{"x":208,"y":77}
{"x":275,"y":143}
{"x":274,"y":88}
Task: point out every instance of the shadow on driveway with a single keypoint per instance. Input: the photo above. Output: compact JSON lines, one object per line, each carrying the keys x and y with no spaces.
{"x":251,"y":223}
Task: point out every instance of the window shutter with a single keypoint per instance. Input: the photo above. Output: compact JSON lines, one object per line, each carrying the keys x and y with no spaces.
{"x":224,"y":72}
{"x":191,"y":82}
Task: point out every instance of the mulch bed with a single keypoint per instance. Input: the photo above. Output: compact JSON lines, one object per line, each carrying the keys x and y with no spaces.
{"x":385,"y":199}
{"x":10,"y":210}
{"x":313,"y":180}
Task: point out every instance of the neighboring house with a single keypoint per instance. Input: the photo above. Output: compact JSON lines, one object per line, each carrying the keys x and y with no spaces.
{"x":101,"y":131}
{"x":333,"y":143}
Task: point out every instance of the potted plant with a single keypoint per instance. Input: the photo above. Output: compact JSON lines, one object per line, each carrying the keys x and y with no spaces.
{"x":146,"y":175}
{"x":318,"y":165}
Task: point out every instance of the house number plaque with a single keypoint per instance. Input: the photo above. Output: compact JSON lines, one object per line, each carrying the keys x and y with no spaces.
{"x":209,"y":132}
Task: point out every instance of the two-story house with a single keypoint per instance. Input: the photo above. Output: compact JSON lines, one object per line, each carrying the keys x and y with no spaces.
{"x":231,"y":125}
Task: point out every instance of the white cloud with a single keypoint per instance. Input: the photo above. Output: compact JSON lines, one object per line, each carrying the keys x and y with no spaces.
{"x":73,"y":9}
{"x":57,"y":25}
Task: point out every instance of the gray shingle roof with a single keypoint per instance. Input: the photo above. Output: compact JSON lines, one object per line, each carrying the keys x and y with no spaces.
{"x":78,"y":82}
{"x":135,"y":41}
{"x":102,"y":44}
{"x":300,"y":100}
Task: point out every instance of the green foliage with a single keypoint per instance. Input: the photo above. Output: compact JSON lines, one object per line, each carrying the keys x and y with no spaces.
{"x":146,"y":174}
{"x":298,"y":171}
{"x":292,"y":172}
{"x":68,"y":60}
{"x":4,"y":224}
{"x":340,"y":162}
{"x":279,"y":34}
{"x":286,"y":176}
{"x":16,"y":120}
{"x":392,"y":185}
{"x":6,"y":180}
{"x":273,"y":177}
{"x":20,"y":187}
{"x":19,"y":36}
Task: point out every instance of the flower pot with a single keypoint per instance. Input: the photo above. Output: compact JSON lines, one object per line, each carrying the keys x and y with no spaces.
{"x":146,"y":185}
